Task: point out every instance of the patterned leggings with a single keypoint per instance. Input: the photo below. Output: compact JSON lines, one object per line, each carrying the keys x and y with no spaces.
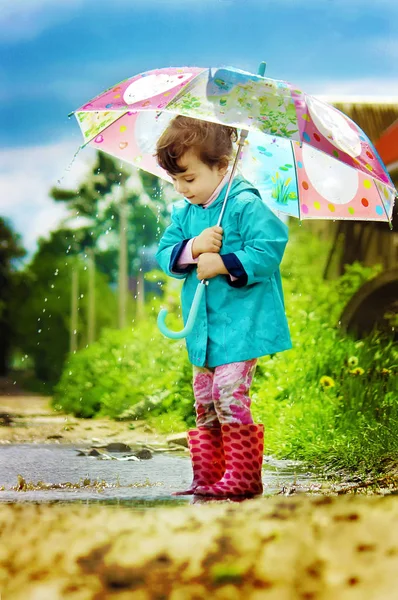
{"x":222,"y":393}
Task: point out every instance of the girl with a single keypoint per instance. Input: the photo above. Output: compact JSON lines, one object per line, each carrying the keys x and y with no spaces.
{"x":241,"y":316}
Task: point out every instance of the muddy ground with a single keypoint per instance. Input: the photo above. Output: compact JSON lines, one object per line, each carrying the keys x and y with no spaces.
{"x":325,"y":546}
{"x":319,"y":548}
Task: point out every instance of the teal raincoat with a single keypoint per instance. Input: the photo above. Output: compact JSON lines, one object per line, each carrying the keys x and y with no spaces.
{"x":237,"y":320}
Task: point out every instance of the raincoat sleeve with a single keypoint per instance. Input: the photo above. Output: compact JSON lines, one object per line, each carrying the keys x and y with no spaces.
{"x":170,"y":248}
{"x":264,"y":239}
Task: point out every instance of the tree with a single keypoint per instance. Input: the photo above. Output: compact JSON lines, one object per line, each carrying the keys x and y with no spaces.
{"x":96,"y":205}
{"x":41,"y":307}
{"x":10,"y":251}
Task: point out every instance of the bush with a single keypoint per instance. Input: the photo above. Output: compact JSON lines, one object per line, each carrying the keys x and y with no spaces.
{"x":124,"y":368}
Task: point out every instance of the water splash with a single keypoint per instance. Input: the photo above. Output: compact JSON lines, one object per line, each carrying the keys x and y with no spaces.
{"x":68,"y":168}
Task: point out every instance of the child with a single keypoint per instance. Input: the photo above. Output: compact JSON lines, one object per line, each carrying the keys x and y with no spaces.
{"x":241,"y":316}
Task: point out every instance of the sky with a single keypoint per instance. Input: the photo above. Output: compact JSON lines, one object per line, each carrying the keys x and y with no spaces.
{"x":56,"y":55}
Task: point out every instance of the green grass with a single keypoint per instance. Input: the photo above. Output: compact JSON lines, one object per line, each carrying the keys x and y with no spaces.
{"x":330,"y":401}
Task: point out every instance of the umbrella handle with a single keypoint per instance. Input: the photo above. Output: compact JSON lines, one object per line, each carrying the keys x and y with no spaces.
{"x":177,"y":335}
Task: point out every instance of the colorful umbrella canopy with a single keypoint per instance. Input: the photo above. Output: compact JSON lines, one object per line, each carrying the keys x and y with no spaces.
{"x":307,"y":159}
{"x":387,"y":146}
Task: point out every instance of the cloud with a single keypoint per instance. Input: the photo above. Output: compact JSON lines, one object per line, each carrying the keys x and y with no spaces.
{"x":70,"y":85}
{"x":26,"y":19}
{"x":386,"y":47}
{"x":378,"y":89}
{"x":22,"y":20}
{"x":26,"y":176}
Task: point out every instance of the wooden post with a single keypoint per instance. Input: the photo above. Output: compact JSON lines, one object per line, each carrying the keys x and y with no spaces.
{"x":74,"y":310}
{"x":91,"y":296}
{"x":140,"y":296}
{"x":123,"y":267}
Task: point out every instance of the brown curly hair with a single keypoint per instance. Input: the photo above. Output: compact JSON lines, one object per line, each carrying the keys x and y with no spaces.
{"x":212,"y":142}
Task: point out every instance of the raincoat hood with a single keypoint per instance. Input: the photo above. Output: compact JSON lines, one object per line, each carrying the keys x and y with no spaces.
{"x":239,"y":185}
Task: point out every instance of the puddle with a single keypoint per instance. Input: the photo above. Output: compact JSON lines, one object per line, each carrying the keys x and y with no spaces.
{"x":140,"y":484}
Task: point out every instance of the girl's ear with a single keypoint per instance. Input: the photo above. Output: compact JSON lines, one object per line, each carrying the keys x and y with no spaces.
{"x":223,"y":165}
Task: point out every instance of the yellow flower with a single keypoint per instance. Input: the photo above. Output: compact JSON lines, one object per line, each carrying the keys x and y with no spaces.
{"x":326,"y":381}
{"x":352,"y":362}
{"x":357,"y":371}
{"x":385,"y":371}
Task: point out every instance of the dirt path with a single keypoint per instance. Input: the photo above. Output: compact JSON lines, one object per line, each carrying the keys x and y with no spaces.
{"x":31,"y":420}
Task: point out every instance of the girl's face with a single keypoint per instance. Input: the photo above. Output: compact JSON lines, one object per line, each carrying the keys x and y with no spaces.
{"x":199,"y":181}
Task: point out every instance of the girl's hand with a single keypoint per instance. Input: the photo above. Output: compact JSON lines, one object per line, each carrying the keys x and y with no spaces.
{"x":209,"y":240}
{"x":210,"y":265}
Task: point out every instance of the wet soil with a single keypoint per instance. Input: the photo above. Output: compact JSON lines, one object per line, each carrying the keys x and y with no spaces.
{"x":323,"y":548}
{"x":333,"y":541}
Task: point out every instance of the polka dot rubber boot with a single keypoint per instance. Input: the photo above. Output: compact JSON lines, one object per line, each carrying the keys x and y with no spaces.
{"x":243,"y":450}
{"x":207,"y":456}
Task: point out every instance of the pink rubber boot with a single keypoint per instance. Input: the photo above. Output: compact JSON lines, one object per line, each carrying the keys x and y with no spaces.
{"x":243,"y":450}
{"x":207,"y":456}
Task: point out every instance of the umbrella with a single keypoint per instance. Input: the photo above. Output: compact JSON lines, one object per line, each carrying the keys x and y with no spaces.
{"x":307,"y":159}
